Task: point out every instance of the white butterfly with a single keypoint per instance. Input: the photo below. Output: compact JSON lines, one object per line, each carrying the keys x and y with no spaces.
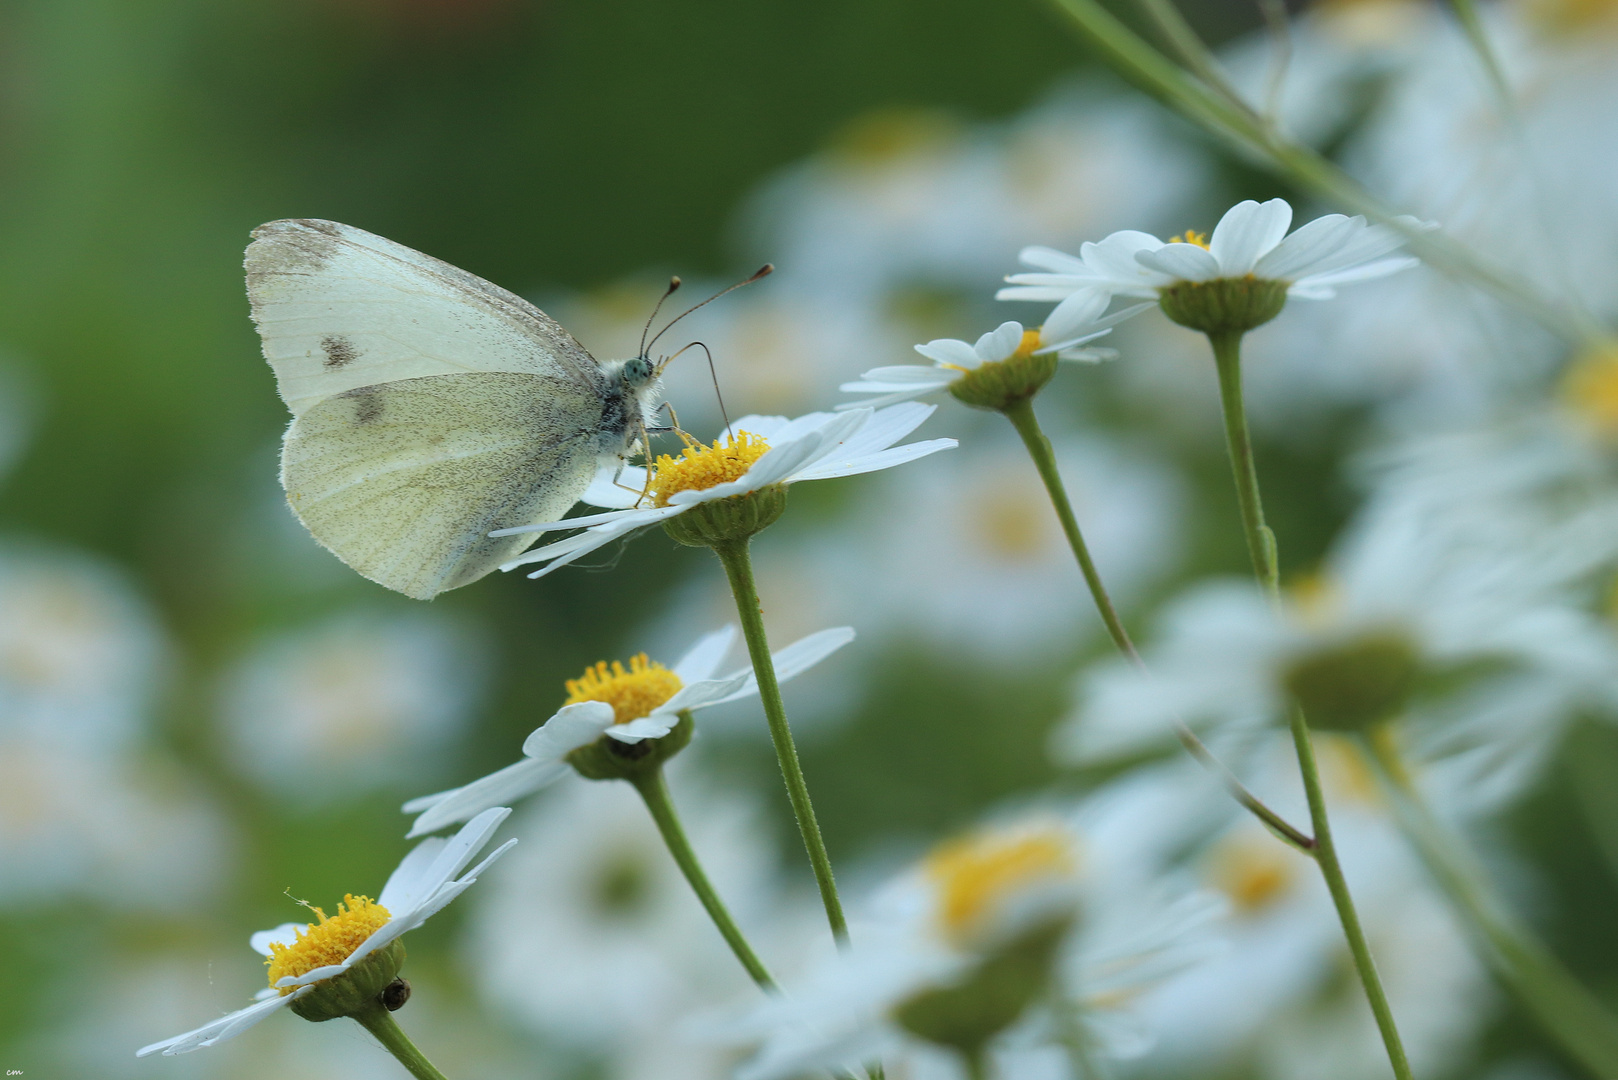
{"x":429,"y":406}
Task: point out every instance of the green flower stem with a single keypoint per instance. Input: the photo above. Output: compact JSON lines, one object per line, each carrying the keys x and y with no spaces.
{"x":1244,"y":130}
{"x":977,"y":1064}
{"x":1546,"y":989}
{"x":1227,"y":350}
{"x":654,"y":790}
{"x":738,"y":563}
{"x":1261,"y":545}
{"x":379,"y":1022}
{"x":1021,"y":415}
{"x":1466,"y":13}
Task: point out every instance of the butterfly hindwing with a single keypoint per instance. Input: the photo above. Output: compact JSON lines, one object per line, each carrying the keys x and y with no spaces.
{"x":404,"y":480}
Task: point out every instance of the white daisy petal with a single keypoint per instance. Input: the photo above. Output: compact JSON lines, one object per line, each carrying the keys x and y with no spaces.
{"x":999,"y":343}
{"x":1318,"y":239}
{"x":901,"y":373}
{"x":950,"y":351}
{"x":500,"y":788}
{"x":1181,"y":262}
{"x":886,"y":427}
{"x":652,"y":726}
{"x":571,"y":727}
{"x":806,"y":652}
{"x":911,"y":393}
{"x":622,"y":493}
{"x":1113,"y":261}
{"x":1057,"y":291}
{"x":1248,"y":231}
{"x":886,"y":459}
{"x":1362,"y":272}
{"x":1073,"y":316}
{"x":703,"y":659}
{"x":1050,"y":259}
{"x":216,"y":1030}
{"x":768,"y":428}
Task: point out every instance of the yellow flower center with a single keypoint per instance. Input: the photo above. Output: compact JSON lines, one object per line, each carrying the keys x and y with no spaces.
{"x":632,"y":694}
{"x":1253,"y":872}
{"x":701,"y":467}
{"x":1590,"y":388}
{"x":1191,"y":236}
{"x":976,"y":875}
{"x":1029,"y":343}
{"x":330,"y":941}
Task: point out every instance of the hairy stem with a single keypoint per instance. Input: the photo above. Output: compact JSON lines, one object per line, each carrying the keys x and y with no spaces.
{"x":379,"y":1022}
{"x":654,"y":790}
{"x":1261,"y":546}
{"x":738,"y":564}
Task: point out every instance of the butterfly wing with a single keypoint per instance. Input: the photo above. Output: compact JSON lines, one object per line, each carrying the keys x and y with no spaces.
{"x":405,"y":480}
{"x":340,"y":308}
{"x":429,"y":405}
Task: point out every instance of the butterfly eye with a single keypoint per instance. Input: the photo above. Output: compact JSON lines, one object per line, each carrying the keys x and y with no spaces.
{"x":639,"y":371}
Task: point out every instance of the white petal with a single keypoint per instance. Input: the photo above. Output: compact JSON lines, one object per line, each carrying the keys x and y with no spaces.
{"x":572,"y":726}
{"x":217,"y":1030}
{"x":767,"y":428}
{"x":902,"y":374}
{"x":703,"y":659}
{"x":1113,"y":261}
{"x":1321,"y":237}
{"x":1246,"y":233}
{"x":797,"y":658}
{"x":503,"y":787}
{"x":1049,"y":292}
{"x":1362,"y":272}
{"x":999,"y":343}
{"x":886,"y":427}
{"x":1181,"y":262}
{"x":896,"y":396}
{"x":404,"y":888}
{"x":285,"y":934}
{"x":622,"y":493}
{"x":584,"y":521}
{"x":654,"y":725}
{"x":1072,"y":317}
{"x":950,"y":351}
{"x":1087,"y":356}
{"x":448,"y":859}
{"x":1050,"y":259}
{"x":886,"y":459}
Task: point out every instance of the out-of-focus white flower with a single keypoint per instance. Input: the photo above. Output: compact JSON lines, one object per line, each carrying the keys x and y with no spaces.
{"x":1019,"y":888}
{"x":1250,"y":241}
{"x":1074,"y":322}
{"x":1280,"y":982}
{"x":967,"y":552}
{"x":80,"y":653}
{"x":301,"y":956}
{"x":1393,"y":609}
{"x":354,"y":701}
{"x":643,"y":702}
{"x":765,"y":452}
{"x":591,"y":936}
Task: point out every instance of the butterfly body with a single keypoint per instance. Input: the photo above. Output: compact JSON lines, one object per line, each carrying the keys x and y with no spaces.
{"x":430,"y":407}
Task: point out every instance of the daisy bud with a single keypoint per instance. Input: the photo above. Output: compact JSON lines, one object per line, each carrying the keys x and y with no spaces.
{"x":1224,"y":305}
{"x":1353,"y":684}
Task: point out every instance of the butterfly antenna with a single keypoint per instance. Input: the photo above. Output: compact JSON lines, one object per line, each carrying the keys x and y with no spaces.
{"x":764,"y":271}
{"x":674,"y":283}
{"x":714,"y":375}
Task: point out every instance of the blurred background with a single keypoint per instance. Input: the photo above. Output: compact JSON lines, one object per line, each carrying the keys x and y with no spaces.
{"x":203,"y":715}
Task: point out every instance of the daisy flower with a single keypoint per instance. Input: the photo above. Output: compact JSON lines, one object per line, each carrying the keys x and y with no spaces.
{"x":997,"y":937}
{"x":1075,"y":322}
{"x":629,"y":705}
{"x":304,"y":959}
{"x":1250,"y":242}
{"x":765,"y":453}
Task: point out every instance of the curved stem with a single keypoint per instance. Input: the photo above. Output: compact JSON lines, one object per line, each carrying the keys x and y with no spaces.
{"x":379,"y":1022}
{"x":738,"y":564}
{"x":976,"y":1062}
{"x":1021,"y":415}
{"x":1261,"y":546}
{"x":654,"y":790}
{"x":1547,"y":990}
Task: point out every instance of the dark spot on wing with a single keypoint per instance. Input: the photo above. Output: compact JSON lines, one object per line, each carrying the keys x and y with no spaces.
{"x":340,"y":351}
{"x":367,"y":403}
{"x":330,"y":228}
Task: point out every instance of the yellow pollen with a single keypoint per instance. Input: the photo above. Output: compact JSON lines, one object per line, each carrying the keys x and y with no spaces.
{"x":701,"y":467}
{"x":330,"y":941}
{"x":1029,"y":343}
{"x":632,"y":694}
{"x":1191,"y":236}
{"x":977,"y":874}
{"x":1590,"y":388}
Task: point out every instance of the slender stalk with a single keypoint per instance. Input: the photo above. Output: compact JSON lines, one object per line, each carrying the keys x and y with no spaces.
{"x":379,"y":1022}
{"x":1227,"y":350}
{"x":977,"y":1063}
{"x":1466,"y":13}
{"x":1261,"y":545}
{"x":654,"y":789}
{"x":738,"y":564}
{"x":1039,"y":447}
{"x":1189,"y":47}
{"x":1547,"y":990}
